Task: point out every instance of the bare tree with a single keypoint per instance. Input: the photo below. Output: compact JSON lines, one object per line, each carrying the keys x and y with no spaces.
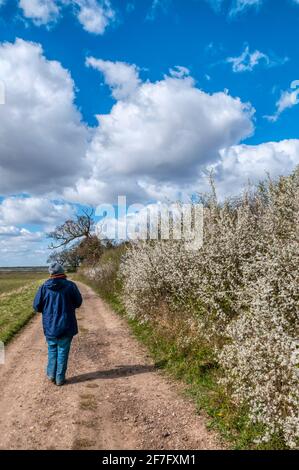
{"x":73,"y":229}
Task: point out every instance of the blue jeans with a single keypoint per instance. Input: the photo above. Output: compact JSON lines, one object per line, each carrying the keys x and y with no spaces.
{"x":58,"y":354}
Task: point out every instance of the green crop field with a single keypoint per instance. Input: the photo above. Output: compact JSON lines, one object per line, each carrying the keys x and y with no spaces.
{"x":12,"y":280}
{"x":17,"y":290}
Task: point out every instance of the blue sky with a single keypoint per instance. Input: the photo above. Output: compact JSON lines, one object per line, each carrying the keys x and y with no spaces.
{"x":182,"y":87}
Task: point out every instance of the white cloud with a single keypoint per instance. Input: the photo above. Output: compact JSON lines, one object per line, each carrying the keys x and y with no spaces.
{"x":12,"y":231}
{"x":42,"y":139}
{"x":157,"y":141}
{"x":247,"y":61}
{"x":120,"y":76}
{"x":21,"y":247}
{"x":160,"y":139}
{"x":95,"y":16}
{"x":236,"y":167}
{"x":288,"y":99}
{"x":241,"y":163}
{"x":159,"y":133}
{"x":18,"y":245}
{"x":33,"y":210}
{"x":41,"y":12}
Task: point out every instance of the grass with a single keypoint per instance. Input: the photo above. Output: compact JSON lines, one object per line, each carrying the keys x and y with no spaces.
{"x":13,"y":280}
{"x":16,"y":307}
{"x":200,"y":374}
{"x":193,"y":365}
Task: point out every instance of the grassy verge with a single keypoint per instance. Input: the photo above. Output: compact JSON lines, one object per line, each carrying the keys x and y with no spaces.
{"x":15,"y":310}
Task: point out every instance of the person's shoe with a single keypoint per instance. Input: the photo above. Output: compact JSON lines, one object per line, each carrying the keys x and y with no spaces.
{"x":51,"y":379}
{"x":60,"y":383}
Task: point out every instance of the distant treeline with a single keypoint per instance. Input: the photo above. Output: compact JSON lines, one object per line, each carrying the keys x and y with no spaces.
{"x":36,"y":269}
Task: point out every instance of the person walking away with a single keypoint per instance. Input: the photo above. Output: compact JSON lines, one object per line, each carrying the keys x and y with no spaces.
{"x":57,"y":299}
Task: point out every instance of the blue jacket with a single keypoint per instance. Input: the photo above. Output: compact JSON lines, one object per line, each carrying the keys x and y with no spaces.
{"x":57,"y":300}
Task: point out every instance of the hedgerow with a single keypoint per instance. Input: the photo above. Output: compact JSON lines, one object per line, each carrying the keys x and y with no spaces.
{"x":239,"y":296}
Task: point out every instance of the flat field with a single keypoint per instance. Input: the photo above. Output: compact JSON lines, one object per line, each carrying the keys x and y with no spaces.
{"x":17,"y":290}
{"x":12,"y":280}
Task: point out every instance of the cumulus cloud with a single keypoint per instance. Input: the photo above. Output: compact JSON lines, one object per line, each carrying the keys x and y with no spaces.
{"x":41,"y":12}
{"x":93,"y":15}
{"x":42,"y":138}
{"x":157,"y":141}
{"x":160,"y":139}
{"x":16,"y":240}
{"x":19,"y":246}
{"x":161,"y":132}
{"x":248,"y":61}
{"x":34,"y":210}
{"x":242,"y":163}
{"x":12,"y":231}
{"x":236,"y":167}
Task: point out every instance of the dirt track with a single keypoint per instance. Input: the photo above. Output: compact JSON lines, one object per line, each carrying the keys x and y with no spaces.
{"x":114,"y":397}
